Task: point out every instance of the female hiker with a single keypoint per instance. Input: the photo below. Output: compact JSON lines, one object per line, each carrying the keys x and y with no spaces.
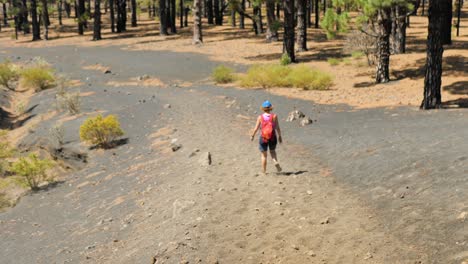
{"x":269,"y":125}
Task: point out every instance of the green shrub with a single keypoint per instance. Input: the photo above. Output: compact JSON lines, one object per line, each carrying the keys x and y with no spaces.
{"x":333,"y":61}
{"x":37,"y":78}
{"x":32,"y":169}
{"x":7,"y":74}
{"x":101,"y":131}
{"x":223,"y":74}
{"x":270,"y":75}
{"x":357,"y":54}
{"x":285,"y":59}
{"x":4,"y":202}
{"x":6,"y":150}
{"x":347,"y":61}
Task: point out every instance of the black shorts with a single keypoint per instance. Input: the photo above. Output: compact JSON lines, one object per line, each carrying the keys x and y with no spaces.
{"x":271,"y":144}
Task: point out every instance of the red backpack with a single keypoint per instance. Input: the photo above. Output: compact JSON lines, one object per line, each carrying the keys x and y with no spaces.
{"x":268,"y":127}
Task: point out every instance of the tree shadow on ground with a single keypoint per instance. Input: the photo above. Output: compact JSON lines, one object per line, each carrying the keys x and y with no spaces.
{"x":457,"y":88}
{"x":452,"y":65}
{"x":458,"y":103}
{"x":289,"y":173}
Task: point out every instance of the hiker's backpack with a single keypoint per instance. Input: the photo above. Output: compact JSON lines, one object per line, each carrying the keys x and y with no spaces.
{"x":268,"y":127}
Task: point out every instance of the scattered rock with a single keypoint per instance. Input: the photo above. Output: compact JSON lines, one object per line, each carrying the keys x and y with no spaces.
{"x":143,"y":77}
{"x":107,"y":71}
{"x":463,"y":216}
{"x":205,"y":159}
{"x":309,"y":192}
{"x":248,"y":234}
{"x":294,"y":115}
{"x":368,"y":256}
{"x":311,"y":253}
{"x":325,"y":221}
{"x":295,"y":247}
{"x":90,"y":247}
{"x":176,"y":147}
{"x":278,"y":203}
{"x":167,"y":106}
{"x":306,"y":121}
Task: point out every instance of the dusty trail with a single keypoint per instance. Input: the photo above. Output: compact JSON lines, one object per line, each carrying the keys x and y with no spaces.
{"x":333,"y":205}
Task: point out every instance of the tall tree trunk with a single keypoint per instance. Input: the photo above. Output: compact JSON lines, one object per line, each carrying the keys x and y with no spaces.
{"x":112,"y":15}
{"x":36,"y":31}
{"x":324,"y":6}
{"x":288,"y":40}
{"x":383,"y":45}
{"x":233,"y":17}
{"x":433,"y":77}
{"x":24,"y":15}
{"x":163,"y":18}
{"x":257,"y":10}
{"x":5,"y":15}
{"x":67,"y":9}
{"x":278,"y":10}
{"x":209,"y":11}
{"x":181,"y":7}
{"x":218,"y":16}
{"x":197,"y":23}
{"x":134,"y":13}
{"x":59,"y":11}
{"x":44,"y":21}
{"x":301,"y":26}
{"x":447,"y":23}
{"x":121,"y":16}
{"x":242,"y":16}
{"x":154,"y":8}
{"x":81,"y":16}
{"x":97,"y":20}
{"x":187,"y":10}
{"x":310,"y":7}
{"x":423,"y":5}
{"x":317,"y":14}
{"x":398,"y":35}
{"x":173,"y":16}
{"x":459,"y":6}
{"x":45,"y":10}
{"x":272,"y":24}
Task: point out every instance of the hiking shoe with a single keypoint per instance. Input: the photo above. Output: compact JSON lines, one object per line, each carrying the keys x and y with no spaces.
{"x":278,"y":167}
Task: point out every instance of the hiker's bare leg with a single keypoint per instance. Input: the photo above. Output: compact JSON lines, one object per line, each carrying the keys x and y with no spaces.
{"x":264,"y":160}
{"x":275,"y":160}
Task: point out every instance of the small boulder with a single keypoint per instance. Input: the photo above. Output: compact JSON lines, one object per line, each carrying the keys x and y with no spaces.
{"x":107,"y":71}
{"x":167,"y":106}
{"x":294,"y":115}
{"x":306,"y":121}
{"x":205,"y":159}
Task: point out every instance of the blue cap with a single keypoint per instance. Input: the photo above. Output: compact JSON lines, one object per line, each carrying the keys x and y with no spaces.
{"x":266,"y":104}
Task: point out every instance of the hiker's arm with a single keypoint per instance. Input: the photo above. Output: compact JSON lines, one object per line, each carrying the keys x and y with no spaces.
{"x":257,"y":126}
{"x":278,"y":129}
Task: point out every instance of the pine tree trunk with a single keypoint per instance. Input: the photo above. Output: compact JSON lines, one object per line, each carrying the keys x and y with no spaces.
{"x":242,"y":17}
{"x":398,"y":35}
{"x":310,"y":7}
{"x":257,"y":10}
{"x":97,"y":20}
{"x":44,"y":21}
{"x":5,"y":15}
{"x":81,"y":16}
{"x":278,"y":10}
{"x":112,"y":15}
{"x":181,"y":18}
{"x":45,"y":10}
{"x":59,"y":11}
{"x":447,"y":22}
{"x":301,"y":26}
{"x":187,"y":10}
{"x":209,"y":11}
{"x":288,"y":40}
{"x":433,"y":77}
{"x":25,"y":21}
{"x":459,"y":6}
{"x":163,"y":18}
{"x":218,"y":16}
{"x":197,"y":23}
{"x":121,"y":16}
{"x":272,"y":28}
{"x":233,"y":18}
{"x":67,"y":9}
{"x":36,"y":31}
{"x":173,"y":16}
{"x":134,"y":13}
{"x":383,"y":45}
{"x":317,"y":14}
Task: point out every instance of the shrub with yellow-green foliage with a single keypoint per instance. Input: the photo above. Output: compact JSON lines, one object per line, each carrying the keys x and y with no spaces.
{"x":333,"y":61}
{"x":223,"y":74}
{"x":8,"y":74}
{"x":101,"y":131}
{"x":33,"y":169}
{"x":38,"y":77}
{"x":272,"y":75}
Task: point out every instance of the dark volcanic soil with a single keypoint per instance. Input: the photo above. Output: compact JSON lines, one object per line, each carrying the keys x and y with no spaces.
{"x":366,"y":186}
